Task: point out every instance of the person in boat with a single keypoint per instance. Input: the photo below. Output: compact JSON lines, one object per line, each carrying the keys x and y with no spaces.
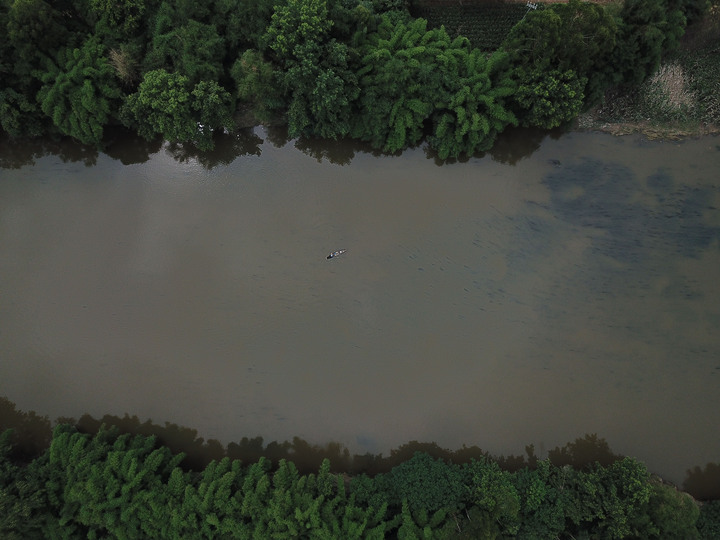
{"x":336,"y":253}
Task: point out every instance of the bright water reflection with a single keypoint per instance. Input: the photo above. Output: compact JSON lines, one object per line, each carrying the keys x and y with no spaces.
{"x":574,"y":291}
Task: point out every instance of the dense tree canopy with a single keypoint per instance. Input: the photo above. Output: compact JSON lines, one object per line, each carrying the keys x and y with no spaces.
{"x":167,"y":105}
{"x":327,"y":68}
{"x":568,"y":46}
{"x":316,"y":78}
{"x":185,"y":45}
{"x":647,"y":29}
{"x":111,"y":485}
{"x":549,"y":98}
{"x":474,"y":112}
{"x":122,"y":17}
{"x":79,"y":91}
{"x":161,"y":106}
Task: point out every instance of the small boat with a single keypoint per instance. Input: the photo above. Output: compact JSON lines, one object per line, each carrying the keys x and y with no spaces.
{"x":336,"y":253}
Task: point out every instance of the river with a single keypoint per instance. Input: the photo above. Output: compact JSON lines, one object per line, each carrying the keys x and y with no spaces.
{"x":558,"y":286}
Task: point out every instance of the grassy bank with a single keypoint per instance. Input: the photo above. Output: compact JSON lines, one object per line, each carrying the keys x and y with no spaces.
{"x":681,"y":99}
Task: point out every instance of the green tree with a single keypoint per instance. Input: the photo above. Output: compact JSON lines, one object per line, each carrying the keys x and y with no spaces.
{"x":668,"y":514}
{"x":544,"y":495}
{"x":24,"y":509}
{"x":181,"y":41}
{"x":114,"y":488}
{"x":493,"y":492}
{"x":19,"y":115}
{"x":610,"y":501}
{"x":110,"y":485}
{"x":708,"y":524}
{"x":12,"y":509}
{"x":242,"y":23}
{"x":35,"y":30}
{"x":162,"y":106}
{"x":648,"y":28}
{"x":213,"y":108}
{"x":577,"y":36}
{"x":194,"y":49}
{"x":294,"y":24}
{"x":400,"y":83}
{"x":256,"y":83}
{"x":207,"y":507}
{"x":124,"y":17}
{"x":79,"y":92}
{"x":6,"y":46}
{"x":317,"y":80}
{"x":426,"y":484}
{"x":254,"y":497}
{"x":475,"y":111}
{"x":693,"y":10}
{"x":321,"y":89}
{"x":549,"y":98}
{"x":167,"y":105}
{"x":420,"y":524}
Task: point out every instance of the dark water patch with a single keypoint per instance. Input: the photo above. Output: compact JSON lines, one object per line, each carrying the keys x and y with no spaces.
{"x":688,"y":226}
{"x":599,"y":196}
{"x":703,"y":482}
{"x":18,"y":153}
{"x":661,"y":183}
{"x":634,"y":221}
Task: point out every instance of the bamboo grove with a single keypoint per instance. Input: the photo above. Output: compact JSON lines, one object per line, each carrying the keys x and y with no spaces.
{"x":362,"y":69}
{"x":112,"y":485}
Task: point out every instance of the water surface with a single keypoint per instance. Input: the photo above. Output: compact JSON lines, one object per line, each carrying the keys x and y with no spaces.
{"x":515,"y":298}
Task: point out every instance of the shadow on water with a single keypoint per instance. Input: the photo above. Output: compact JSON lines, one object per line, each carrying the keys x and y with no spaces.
{"x":228,"y":147}
{"x":17,"y":153}
{"x":123,"y":145}
{"x":340,"y":152}
{"x":128,"y":147}
{"x":583,"y":451}
{"x":33,"y":434}
{"x":703,"y":483}
{"x":277,"y":135}
{"x":516,"y":144}
{"x":511,"y":146}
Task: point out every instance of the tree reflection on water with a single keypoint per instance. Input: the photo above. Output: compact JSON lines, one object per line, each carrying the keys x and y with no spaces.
{"x":33,"y":434}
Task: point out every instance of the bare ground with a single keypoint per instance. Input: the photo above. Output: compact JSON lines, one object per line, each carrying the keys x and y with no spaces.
{"x":588,"y":122}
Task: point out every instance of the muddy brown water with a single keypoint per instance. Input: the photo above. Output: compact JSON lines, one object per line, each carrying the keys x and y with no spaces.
{"x":559,"y":286}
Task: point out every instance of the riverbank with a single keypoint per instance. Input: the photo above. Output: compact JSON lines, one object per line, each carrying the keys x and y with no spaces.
{"x":150,"y":472}
{"x":682,"y":98}
{"x":110,"y":483}
{"x":593,"y":121}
